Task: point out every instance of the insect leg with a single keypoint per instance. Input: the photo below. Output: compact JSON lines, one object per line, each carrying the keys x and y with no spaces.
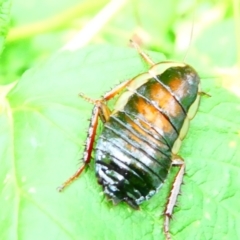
{"x":204,"y":94}
{"x":177,"y":161}
{"x":117,"y":89}
{"x":88,"y":147}
{"x":143,"y":55}
{"x":101,"y":110}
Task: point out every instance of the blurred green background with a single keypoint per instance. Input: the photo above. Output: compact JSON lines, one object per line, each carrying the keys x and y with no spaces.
{"x":39,"y":30}
{"x":43,"y":123}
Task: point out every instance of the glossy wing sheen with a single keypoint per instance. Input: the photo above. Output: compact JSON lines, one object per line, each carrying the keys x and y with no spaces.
{"x":133,"y":153}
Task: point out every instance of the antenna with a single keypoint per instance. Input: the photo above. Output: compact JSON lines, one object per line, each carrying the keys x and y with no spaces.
{"x":190,"y":40}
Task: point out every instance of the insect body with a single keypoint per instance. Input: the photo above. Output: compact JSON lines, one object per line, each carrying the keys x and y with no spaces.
{"x":134,"y":151}
{"x":143,"y":134}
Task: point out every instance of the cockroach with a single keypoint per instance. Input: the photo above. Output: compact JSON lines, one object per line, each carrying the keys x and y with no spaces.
{"x":142,"y":135}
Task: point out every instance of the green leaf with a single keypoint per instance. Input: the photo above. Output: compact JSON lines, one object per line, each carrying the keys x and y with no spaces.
{"x":4,"y":20}
{"x":42,"y":131}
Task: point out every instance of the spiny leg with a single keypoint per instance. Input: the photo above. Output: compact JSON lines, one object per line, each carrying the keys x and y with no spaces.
{"x":148,"y":60}
{"x":116,"y":90}
{"x":101,"y":110}
{"x":155,"y":67}
{"x":88,"y":147}
{"x":172,"y":199}
{"x":121,"y":86}
{"x":143,"y":55}
{"x":201,"y":93}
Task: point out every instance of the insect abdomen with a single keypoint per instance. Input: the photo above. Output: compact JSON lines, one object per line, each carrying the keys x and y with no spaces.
{"x":134,"y":150}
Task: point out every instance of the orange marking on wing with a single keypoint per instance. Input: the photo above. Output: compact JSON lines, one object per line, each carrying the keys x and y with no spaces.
{"x":153,"y":116}
{"x":165,"y":100}
{"x":177,"y":85}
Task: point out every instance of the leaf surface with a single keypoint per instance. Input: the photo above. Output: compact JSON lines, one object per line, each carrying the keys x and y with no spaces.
{"x":43,"y":128}
{"x":4,"y":21}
